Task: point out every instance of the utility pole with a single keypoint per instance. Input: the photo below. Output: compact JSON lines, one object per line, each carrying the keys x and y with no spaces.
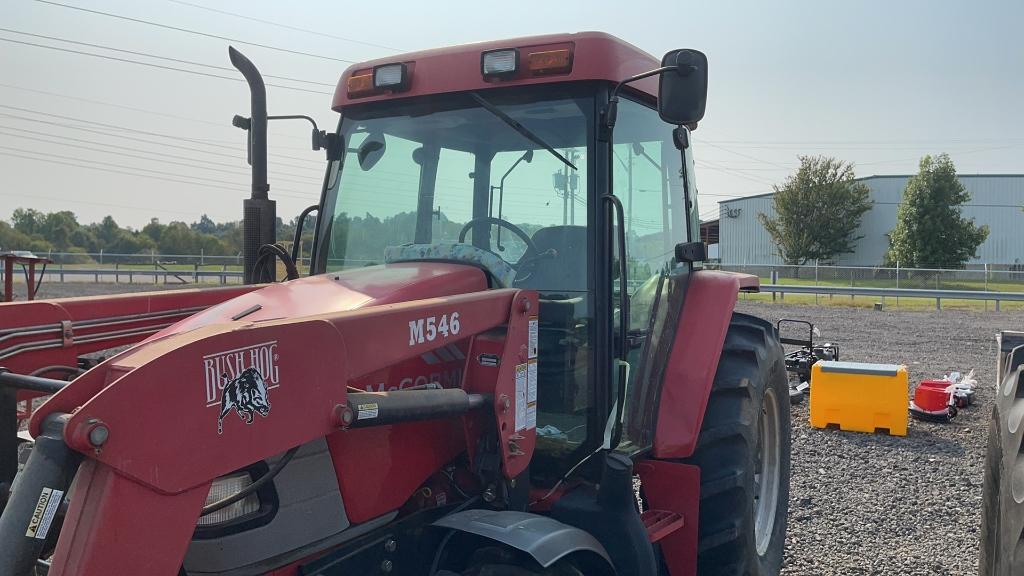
{"x":573,"y":181}
{"x":566,"y":184}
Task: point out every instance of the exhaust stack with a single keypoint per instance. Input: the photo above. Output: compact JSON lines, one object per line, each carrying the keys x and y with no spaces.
{"x":259,"y":212}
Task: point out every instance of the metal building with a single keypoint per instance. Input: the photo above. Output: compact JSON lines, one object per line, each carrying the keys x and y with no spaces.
{"x":996,"y":200}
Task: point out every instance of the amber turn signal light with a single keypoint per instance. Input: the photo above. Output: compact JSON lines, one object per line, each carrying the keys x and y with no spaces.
{"x":549,"y":61}
{"x":360,"y":85}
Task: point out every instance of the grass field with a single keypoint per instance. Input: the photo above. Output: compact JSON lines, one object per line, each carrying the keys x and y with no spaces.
{"x":869,"y":302}
{"x":921,"y":283}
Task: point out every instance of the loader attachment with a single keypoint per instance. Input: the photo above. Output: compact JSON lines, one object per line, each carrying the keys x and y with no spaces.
{"x":156,"y":424}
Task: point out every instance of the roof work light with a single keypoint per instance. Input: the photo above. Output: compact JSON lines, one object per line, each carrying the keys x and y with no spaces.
{"x":502,"y":62}
{"x":390,"y":77}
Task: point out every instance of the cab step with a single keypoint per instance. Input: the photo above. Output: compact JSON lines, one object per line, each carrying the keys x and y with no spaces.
{"x":661,"y":523}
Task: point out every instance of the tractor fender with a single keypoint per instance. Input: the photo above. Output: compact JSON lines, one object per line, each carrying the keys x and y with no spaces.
{"x":707,"y":309}
{"x":545,"y":539}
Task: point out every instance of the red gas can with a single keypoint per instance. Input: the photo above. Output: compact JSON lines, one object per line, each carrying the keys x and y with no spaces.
{"x":931,"y":395}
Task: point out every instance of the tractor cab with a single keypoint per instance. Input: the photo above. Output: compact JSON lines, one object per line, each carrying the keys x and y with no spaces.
{"x":515,"y":175}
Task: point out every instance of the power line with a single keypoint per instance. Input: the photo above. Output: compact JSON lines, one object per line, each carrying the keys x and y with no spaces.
{"x":112,"y":105}
{"x":916,"y":158}
{"x":104,"y":124}
{"x":111,"y":164}
{"x":711,"y":166}
{"x":174,"y":177}
{"x":286,"y":26}
{"x":160,"y":66}
{"x":747,"y":156}
{"x":162,"y":157}
{"x":144,"y":140}
{"x":102,"y":133}
{"x":891,"y":141}
{"x":96,"y":168}
{"x":700,"y":194}
{"x":127,"y":129}
{"x":223,"y":125}
{"x":105,"y":204}
{"x":195,"y":32}
{"x":132,"y":130}
{"x":148,"y":55}
{"x":64,"y":138}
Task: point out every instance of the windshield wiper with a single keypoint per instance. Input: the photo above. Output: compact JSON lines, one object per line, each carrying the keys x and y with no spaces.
{"x":520,"y":128}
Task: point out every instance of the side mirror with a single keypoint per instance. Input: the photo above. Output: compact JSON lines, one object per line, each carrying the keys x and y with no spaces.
{"x":371,"y":151}
{"x":683,"y":92}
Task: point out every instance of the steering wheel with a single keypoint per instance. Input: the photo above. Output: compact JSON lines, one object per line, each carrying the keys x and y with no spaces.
{"x":531,"y":248}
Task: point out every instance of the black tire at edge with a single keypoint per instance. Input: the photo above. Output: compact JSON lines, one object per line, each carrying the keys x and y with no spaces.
{"x":752,"y":360}
{"x":1002,"y":517}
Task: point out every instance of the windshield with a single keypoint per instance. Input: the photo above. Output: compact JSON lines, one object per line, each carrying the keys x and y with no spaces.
{"x":419,"y":172}
{"x":472,"y":177}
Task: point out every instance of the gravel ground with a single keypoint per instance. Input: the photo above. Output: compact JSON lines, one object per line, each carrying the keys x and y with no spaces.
{"x":875,"y":504}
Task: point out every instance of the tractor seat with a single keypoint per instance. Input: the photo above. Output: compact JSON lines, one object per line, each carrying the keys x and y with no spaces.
{"x":566,"y":271}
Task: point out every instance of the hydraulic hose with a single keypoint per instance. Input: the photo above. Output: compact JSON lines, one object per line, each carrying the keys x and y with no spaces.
{"x":251,"y":488}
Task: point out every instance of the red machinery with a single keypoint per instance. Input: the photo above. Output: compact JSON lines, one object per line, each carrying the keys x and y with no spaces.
{"x":570,"y":395}
{"x":28,"y":262}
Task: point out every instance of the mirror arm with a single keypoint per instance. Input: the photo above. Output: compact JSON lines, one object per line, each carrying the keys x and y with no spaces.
{"x":501,"y":197}
{"x":613,"y":100}
{"x":321,"y":139}
{"x":319,"y":136}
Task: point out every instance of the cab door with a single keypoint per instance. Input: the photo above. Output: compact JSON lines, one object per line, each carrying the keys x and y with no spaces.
{"x":648,"y":179}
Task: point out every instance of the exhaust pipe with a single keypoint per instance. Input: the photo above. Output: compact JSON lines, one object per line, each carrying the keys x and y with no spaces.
{"x":259,"y":212}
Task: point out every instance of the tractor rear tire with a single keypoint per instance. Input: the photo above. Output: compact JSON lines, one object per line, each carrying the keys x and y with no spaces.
{"x":743,"y":452}
{"x":1002,"y":522}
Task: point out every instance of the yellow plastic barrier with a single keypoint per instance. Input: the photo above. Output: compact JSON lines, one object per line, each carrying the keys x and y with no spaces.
{"x":859,"y":397}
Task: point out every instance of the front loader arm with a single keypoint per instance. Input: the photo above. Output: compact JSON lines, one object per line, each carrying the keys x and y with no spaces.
{"x":139,"y":491}
{"x":41,"y":333}
{"x":49,"y":337}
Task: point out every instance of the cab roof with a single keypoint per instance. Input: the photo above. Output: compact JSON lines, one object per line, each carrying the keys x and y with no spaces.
{"x":595,"y":56}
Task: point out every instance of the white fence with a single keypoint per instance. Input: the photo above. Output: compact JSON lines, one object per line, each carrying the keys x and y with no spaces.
{"x":988,"y":279}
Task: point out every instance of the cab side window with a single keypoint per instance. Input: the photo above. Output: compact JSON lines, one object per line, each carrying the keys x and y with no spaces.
{"x":647,"y":179}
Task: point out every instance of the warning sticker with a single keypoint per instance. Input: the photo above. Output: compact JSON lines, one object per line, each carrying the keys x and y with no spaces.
{"x":42,"y":516}
{"x":531,"y":394}
{"x":521,"y":381}
{"x":531,"y":381}
{"x":534,"y":331}
{"x":366,"y":411}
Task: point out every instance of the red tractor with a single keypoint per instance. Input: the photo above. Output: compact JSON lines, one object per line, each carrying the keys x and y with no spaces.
{"x":464,"y":384}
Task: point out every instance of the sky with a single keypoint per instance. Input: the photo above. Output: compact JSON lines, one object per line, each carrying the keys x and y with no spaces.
{"x":876,"y":83}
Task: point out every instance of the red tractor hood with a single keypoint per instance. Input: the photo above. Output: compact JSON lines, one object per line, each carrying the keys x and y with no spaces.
{"x":338,"y":292}
{"x":294,"y":344}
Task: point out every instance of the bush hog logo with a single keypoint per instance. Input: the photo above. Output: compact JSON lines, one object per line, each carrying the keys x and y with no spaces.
{"x":239,"y":379}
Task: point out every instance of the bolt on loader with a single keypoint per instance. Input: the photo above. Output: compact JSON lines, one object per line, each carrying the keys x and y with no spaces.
{"x":506,"y":357}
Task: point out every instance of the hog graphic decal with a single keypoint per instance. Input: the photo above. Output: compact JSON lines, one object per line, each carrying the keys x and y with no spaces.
{"x":247,"y":394}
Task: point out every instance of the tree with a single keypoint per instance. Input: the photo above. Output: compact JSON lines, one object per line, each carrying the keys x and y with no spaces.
{"x":11,"y":239}
{"x":817,"y":211}
{"x":930,"y":230}
{"x":106,"y":231}
{"x":154,"y":229}
{"x":205,"y":225}
{"x":59,"y":228}
{"x":27,"y":220}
